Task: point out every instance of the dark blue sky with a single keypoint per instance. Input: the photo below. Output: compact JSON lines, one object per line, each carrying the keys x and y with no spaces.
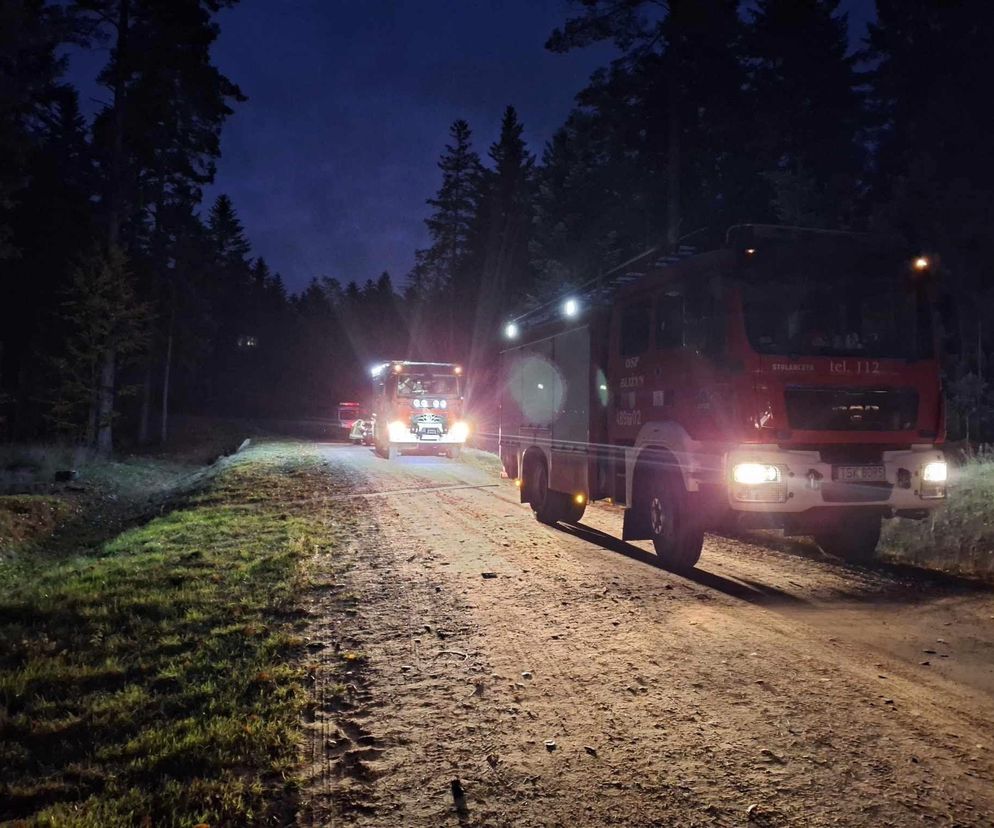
{"x":330,"y":160}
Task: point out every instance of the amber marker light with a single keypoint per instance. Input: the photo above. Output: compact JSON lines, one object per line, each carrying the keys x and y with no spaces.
{"x":580,"y":499}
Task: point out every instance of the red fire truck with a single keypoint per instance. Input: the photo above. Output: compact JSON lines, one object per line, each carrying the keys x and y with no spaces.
{"x":418,"y":407}
{"x":348,"y":413}
{"x":787,"y":380}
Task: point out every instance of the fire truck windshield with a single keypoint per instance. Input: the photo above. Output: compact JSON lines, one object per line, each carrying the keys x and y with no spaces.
{"x":832,"y":305}
{"x":417,"y":385}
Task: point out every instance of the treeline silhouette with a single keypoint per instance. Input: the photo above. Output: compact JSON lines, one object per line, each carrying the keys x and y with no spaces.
{"x":124,"y":298}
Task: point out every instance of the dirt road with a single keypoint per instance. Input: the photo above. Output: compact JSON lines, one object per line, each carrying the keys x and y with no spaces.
{"x":563,"y":679}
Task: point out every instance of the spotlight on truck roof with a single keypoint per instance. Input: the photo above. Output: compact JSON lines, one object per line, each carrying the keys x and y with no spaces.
{"x":921,"y":263}
{"x":511,"y":331}
{"x":571,"y":307}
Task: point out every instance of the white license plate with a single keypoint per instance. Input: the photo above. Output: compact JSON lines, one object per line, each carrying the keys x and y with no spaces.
{"x":860,"y":474}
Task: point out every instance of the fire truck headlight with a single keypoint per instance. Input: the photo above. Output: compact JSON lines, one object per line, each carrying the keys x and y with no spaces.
{"x":460,"y":431}
{"x":444,"y":404}
{"x":397,"y":430}
{"x":434,"y":403}
{"x":753,"y":474}
{"x":936,"y":472}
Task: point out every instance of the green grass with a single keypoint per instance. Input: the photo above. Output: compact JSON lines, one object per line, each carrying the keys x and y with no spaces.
{"x":158,"y":679}
{"x":959,"y":536}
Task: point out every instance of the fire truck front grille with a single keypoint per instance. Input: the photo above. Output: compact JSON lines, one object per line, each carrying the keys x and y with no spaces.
{"x":851,"y":409}
{"x":429,"y":425}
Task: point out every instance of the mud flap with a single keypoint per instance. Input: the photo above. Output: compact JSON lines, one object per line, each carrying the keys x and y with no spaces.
{"x":633,"y":526}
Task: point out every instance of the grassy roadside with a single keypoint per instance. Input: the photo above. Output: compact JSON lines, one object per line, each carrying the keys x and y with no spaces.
{"x":108,"y":495}
{"x":959,"y":536}
{"x":158,"y":678}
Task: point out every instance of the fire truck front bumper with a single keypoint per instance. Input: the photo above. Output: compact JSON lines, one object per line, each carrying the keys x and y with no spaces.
{"x":405,"y":436}
{"x":775,"y":480}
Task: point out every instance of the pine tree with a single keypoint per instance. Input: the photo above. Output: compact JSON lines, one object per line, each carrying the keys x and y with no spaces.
{"x":803,"y":93}
{"x":30,"y":70}
{"x":454,"y":210}
{"x":232,"y":299}
{"x":505,"y":217}
{"x":53,"y":226}
{"x":227,"y":235}
{"x":440,"y":280}
{"x":102,"y":315}
{"x":157,"y":138}
{"x":577,"y":200}
{"x":934,"y":182}
{"x":666,"y":118}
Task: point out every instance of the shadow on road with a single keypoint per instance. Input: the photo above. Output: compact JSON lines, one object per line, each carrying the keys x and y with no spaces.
{"x":879,"y":583}
{"x":894,"y":581}
{"x":746,"y":590}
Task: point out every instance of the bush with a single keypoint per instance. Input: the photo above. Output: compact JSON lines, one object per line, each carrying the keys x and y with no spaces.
{"x":958,"y":536}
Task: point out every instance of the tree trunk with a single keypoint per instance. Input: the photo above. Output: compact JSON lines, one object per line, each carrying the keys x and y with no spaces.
{"x":114,"y":185}
{"x":105,"y":403}
{"x":146,"y":410}
{"x":165,"y":382}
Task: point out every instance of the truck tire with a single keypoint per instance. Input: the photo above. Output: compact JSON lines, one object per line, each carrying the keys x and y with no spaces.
{"x":543,"y":501}
{"x":676,"y":535}
{"x":549,"y":506}
{"x":392,"y":453}
{"x":854,"y":539}
{"x":572,"y":511}
{"x":453,"y":453}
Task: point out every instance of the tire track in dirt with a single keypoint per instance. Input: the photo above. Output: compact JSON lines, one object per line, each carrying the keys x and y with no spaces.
{"x":670,"y":701}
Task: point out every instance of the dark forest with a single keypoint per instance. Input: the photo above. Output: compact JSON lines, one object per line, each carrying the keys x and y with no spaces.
{"x":124,"y":298}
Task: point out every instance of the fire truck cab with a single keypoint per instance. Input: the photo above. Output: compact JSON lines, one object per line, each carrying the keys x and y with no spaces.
{"x":418,"y":407}
{"x":788,"y":380}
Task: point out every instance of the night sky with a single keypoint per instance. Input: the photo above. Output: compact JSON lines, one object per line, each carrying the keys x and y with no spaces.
{"x":331,"y":159}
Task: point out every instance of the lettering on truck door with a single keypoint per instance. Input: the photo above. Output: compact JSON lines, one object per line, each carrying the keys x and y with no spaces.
{"x":631,"y":393}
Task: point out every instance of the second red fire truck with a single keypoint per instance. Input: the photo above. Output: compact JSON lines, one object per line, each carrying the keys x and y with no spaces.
{"x":418,"y":407}
{"x":789,"y":379}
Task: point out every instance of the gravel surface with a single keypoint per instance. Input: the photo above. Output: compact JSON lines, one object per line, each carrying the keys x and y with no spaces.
{"x":517,"y":674}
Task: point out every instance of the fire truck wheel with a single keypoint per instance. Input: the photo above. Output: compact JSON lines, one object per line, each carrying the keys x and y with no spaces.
{"x":393,"y":453}
{"x":853,"y":539}
{"x":572,"y":511}
{"x":453,"y":453}
{"x":542,"y":501}
{"x":676,"y":536}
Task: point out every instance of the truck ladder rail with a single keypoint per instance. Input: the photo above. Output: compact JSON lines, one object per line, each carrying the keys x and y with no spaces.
{"x":602,"y":288}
